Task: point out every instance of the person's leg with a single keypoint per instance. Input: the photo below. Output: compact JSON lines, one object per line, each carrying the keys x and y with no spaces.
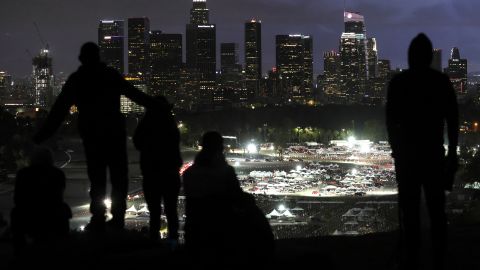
{"x":97,"y":174}
{"x":435,"y":199}
{"x":118,"y":165}
{"x":170,"y":201}
{"x":153,"y":198}
{"x":409,"y":192}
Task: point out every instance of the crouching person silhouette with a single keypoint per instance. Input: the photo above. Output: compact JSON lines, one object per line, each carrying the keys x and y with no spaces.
{"x":96,"y":89}
{"x":39,"y":212}
{"x":420,"y":102}
{"x":157,"y":138}
{"x":223,"y":224}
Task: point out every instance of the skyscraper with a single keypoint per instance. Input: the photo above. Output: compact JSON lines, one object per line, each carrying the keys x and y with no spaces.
{"x":138,"y":46}
{"x":231,"y":86}
{"x":295,"y":65}
{"x":5,"y":84}
{"x":353,"y":51}
{"x":228,"y":57}
{"x":437,"y":60}
{"x":111,"y":43}
{"x":352,"y":73}
{"x":43,"y":78}
{"x":372,"y":58}
{"x":165,"y":64}
{"x":457,"y":71}
{"x":199,"y":13}
{"x":331,"y":71}
{"x":253,"y":57}
{"x":201,"y":52}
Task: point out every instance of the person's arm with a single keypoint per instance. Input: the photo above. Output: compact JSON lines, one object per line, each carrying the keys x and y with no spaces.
{"x":133,"y":93}
{"x":60,"y":109}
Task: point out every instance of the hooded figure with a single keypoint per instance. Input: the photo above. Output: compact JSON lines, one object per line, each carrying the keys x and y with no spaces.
{"x":420,"y":101}
{"x":239,"y":233}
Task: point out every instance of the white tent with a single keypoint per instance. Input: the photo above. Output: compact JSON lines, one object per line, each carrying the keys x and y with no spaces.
{"x":274,"y":213}
{"x":287,"y":214}
{"x":143,"y":211}
{"x":132,"y":210}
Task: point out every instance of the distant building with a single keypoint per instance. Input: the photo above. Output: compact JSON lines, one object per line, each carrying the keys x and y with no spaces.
{"x":457,"y":71}
{"x":138,"y":47}
{"x":353,"y":53}
{"x":43,"y":79}
{"x":5,"y":85}
{"x":294,"y":58}
{"x":231,"y":84}
{"x":253,"y":57}
{"x":437,"y":60}
{"x":201,"y":52}
{"x":379,"y":84}
{"x":331,"y":78}
{"x":111,"y":42}
{"x":273,"y":89}
{"x":165,"y":64}
{"x":372,"y":58}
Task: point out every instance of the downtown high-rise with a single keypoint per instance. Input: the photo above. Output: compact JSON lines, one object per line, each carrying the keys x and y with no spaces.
{"x":43,"y":78}
{"x":354,"y":57}
{"x":294,"y":58}
{"x":253,"y":58}
{"x":201,"y":54}
{"x":230,"y":89}
{"x":331,"y":77}
{"x":165,"y":64}
{"x":111,"y":42}
{"x":457,"y":71}
{"x":138,"y":46}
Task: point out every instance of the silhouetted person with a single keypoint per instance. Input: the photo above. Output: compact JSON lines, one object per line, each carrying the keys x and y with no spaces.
{"x":158,"y":139}
{"x":223,"y":224}
{"x":96,"y":89}
{"x":420,"y":101}
{"x":39,"y":211}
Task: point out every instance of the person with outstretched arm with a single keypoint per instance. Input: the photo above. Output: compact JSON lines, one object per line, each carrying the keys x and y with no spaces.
{"x":95,"y":89}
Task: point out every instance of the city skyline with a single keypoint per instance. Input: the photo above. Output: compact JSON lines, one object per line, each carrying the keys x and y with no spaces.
{"x":325,"y":25}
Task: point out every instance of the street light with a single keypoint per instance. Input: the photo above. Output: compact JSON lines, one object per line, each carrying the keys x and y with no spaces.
{"x":252,"y":148}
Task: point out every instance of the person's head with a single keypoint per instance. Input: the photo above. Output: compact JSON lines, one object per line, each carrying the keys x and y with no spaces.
{"x":89,"y":54}
{"x":212,"y":142}
{"x":420,"y":52}
{"x":41,"y":156}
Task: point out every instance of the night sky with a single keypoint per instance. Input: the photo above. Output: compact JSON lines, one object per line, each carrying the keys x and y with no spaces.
{"x":66,"y":24}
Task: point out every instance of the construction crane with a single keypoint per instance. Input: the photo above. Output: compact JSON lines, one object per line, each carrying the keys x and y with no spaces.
{"x":45,"y":45}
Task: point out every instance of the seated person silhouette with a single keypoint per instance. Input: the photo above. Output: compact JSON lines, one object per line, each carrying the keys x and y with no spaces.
{"x":420,"y":101}
{"x":222,"y":222}
{"x":96,"y":89}
{"x":39,"y":212}
{"x":157,"y":138}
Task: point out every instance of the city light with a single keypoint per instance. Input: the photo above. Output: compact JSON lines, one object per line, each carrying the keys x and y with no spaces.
{"x":108,"y":203}
{"x":299,"y":167}
{"x":281,"y":208}
{"x":252,"y":148}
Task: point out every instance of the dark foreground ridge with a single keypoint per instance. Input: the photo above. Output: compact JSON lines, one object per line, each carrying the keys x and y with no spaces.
{"x":132,"y":250}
